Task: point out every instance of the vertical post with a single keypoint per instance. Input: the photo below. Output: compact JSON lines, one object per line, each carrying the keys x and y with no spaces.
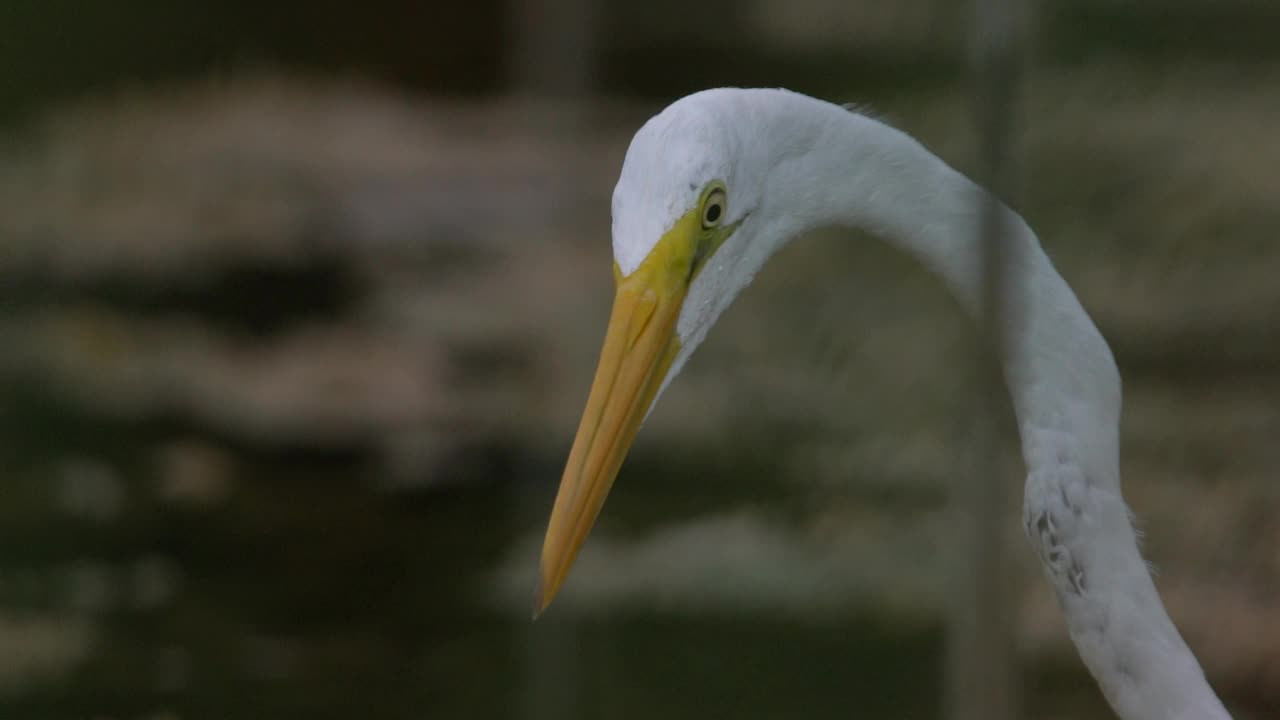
{"x":553,"y":48}
{"x":980,"y":668}
{"x":551,"y":649}
{"x":552,"y":62}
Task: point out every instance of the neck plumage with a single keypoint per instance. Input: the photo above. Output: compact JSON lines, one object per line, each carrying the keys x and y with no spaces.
{"x":1064,"y":385}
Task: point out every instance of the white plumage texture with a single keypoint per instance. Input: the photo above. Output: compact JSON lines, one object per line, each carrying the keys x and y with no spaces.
{"x":673,"y":156}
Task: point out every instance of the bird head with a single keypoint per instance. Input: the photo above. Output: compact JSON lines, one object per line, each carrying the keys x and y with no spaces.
{"x":680,"y":244}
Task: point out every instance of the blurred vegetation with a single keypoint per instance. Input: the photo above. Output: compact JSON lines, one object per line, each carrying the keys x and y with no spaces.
{"x":298,"y":303}
{"x":54,"y":49}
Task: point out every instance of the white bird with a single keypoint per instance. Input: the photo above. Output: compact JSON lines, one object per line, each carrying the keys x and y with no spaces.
{"x":715,"y":184}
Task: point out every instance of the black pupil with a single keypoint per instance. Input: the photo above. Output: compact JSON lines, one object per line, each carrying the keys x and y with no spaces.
{"x":713,"y":213}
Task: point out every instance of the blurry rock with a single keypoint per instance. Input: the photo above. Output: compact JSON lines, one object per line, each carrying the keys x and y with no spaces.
{"x":172,"y":669}
{"x":194,"y":475}
{"x":743,"y":561}
{"x":37,"y":648}
{"x":408,"y":456}
{"x":271,"y":170}
{"x":89,"y":489}
{"x":91,"y":587}
{"x":154,"y":582}
{"x":270,"y":659}
{"x":319,"y":386}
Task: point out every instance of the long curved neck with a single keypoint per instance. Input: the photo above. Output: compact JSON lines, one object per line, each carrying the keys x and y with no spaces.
{"x":1062,"y":379}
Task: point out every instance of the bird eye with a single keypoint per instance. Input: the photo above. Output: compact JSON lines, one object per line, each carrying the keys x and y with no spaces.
{"x":713,"y":209}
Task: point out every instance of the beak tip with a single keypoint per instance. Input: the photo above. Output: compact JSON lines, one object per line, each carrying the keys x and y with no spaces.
{"x":546,"y":591}
{"x":541,"y":599}
{"x":538,"y":607}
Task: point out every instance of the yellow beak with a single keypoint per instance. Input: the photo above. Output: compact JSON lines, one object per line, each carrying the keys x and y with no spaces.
{"x":639,"y":346}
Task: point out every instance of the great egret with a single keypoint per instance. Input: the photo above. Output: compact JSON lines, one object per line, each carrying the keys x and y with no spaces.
{"x":716,"y":183}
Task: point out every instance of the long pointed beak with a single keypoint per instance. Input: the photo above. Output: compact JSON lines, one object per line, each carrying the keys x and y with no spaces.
{"x":639,"y":346}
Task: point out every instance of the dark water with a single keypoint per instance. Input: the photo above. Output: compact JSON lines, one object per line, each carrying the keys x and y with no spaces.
{"x":299,"y":588}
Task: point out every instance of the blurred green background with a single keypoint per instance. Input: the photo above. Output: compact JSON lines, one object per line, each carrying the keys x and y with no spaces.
{"x":299,"y":303}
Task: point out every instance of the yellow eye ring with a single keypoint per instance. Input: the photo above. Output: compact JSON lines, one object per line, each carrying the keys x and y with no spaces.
{"x":714,"y":208}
